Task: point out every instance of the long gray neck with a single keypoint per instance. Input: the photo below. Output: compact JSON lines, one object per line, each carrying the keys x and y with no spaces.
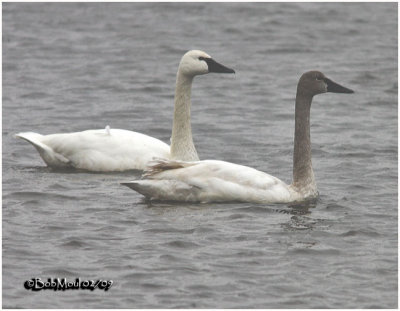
{"x":182,"y":147}
{"x":303,"y":175}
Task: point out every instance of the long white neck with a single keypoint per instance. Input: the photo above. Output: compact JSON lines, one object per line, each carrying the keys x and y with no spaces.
{"x":182,"y":147}
{"x":303,"y":174}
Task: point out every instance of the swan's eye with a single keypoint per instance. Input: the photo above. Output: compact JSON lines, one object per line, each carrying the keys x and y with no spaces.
{"x":201,"y":58}
{"x":318,"y":78}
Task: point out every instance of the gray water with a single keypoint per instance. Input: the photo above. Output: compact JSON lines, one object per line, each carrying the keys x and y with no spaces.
{"x":71,"y":67}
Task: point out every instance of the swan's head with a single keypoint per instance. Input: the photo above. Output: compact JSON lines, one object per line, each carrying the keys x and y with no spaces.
{"x":197,"y":62}
{"x":315,"y":82}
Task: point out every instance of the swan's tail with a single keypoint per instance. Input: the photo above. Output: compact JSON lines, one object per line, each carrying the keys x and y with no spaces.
{"x":167,"y":190}
{"x":48,"y":155}
{"x":34,"y":139}
{"x":142,"y":186}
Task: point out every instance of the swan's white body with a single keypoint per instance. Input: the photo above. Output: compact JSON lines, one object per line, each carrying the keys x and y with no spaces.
{"x":118,"y":150}
{"x":218,"y":181}
{"x":98,"y":150}
{"x":210,"y":181}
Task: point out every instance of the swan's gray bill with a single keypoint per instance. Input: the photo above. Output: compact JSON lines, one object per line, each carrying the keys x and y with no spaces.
{"x":333,"y":87}
{"x":213,"y":66}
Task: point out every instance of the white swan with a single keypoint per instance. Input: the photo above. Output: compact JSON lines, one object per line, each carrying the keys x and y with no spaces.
{"x":218,"y":181}
{"x":118,"y":150}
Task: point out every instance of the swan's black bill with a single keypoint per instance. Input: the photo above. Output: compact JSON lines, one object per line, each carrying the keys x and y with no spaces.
{"x":336,"y":88}
{"x":213,"y":66}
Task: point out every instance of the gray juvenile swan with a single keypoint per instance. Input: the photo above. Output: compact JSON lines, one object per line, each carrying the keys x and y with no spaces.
{"x":117,"y":150}
{"x":219,"y":181}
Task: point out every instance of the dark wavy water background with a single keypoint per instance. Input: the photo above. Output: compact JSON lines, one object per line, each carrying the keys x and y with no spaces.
{"x":69,"y":67}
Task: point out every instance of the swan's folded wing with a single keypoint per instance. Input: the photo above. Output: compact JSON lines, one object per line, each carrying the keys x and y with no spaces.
{"x":203,"y":171}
